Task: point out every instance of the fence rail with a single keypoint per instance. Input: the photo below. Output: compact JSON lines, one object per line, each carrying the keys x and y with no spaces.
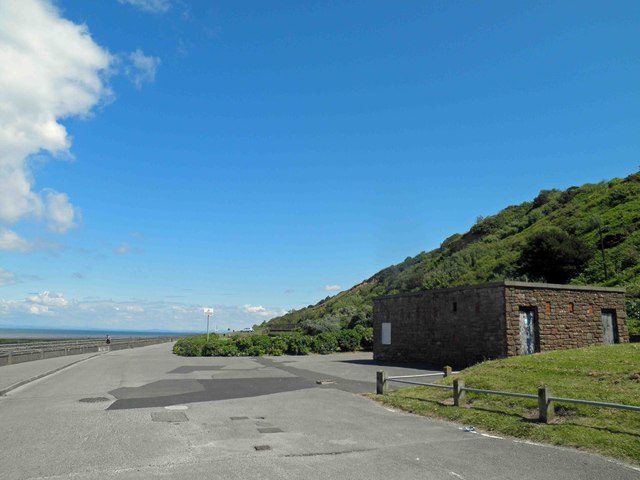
{"x":545,"y":395}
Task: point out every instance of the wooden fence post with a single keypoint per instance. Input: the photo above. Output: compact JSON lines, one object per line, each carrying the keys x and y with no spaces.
{"x":458,"y":391}
{"x":545,"y":406}
{"x":381,"y":382}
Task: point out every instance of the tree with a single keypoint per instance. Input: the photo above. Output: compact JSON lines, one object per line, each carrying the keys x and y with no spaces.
{"x":554,"y":256}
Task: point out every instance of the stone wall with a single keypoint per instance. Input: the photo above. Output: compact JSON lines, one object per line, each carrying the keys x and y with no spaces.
{"x":457,"y":326}
{"x":567,"y":317}
{"x":465,"y":325}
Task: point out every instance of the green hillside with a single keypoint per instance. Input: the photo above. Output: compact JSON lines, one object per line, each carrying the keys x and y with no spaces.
{"x":595,"y":227}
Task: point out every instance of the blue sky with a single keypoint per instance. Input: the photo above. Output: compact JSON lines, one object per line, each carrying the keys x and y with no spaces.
{"x":160,"y":156}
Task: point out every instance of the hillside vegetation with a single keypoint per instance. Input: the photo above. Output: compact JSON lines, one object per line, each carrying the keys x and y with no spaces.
{"x":591,"y":232}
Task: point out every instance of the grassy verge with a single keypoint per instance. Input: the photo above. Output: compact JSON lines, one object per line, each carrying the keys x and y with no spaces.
{"x":606,"y":374}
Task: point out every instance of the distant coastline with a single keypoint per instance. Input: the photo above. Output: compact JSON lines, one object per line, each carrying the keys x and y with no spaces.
{"x":54,"y":333}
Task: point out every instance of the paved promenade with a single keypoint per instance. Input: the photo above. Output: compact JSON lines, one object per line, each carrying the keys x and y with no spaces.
{"x":12,"y":376}
{"x":144,"y":414}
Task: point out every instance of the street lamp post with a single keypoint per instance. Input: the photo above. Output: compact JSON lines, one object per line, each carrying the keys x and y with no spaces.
{"x":208,"y":312}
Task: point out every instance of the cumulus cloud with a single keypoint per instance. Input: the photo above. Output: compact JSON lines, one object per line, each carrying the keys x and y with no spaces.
{"x":50,"y":69}
{"x":152,"y":6}
{"x":254,"y":309}
{"x":48,"y":299}
{"x":332,"y":288}
{"x":258,"y":310}
{"x":61,"y":214}
{"x":10,"y":241}
{"x":141,"y":68}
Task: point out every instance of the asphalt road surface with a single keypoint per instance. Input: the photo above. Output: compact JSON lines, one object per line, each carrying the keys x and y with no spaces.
{"x":145,"y":413}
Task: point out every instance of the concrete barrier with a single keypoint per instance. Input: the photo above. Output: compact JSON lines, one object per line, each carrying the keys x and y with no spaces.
{"x":52,"y":351}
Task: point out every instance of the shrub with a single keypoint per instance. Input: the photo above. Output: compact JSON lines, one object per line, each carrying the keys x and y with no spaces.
{"x":633,"y":317}
{"x":255,"y":351}
{"x":366,"y":340}
{"x":243,"y":344}
{"x":349,"y":340}
{"x":316,"y":326}
{"x":228,"y":350}
{"x":188,"y":347}
{"x":324,"y":343}
{"x":554,"y":256}
{"x":297,"y":344}
{"x":263,"y":342}
{"x":278,"y":346}
{"x":220,"y":349}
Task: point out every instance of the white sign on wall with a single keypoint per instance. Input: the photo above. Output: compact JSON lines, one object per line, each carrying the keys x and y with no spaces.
{"x":386,"y":334}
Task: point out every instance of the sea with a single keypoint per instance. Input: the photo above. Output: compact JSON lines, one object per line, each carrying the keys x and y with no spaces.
{"x":51,"y":333}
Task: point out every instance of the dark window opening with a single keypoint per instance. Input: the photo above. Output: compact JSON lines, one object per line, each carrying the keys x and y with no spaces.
{"x":455,"y":306}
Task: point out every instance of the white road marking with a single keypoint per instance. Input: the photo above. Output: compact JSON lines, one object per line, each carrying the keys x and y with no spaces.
{"x":456,"y":475}
{"x":527,"y":442}
{"x":177,"y":407}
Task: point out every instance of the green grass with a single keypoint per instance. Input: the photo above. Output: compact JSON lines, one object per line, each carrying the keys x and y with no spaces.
{"x":606,"y":374}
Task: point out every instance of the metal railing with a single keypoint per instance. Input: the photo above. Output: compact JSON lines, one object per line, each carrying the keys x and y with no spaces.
{"x":545,"y":395}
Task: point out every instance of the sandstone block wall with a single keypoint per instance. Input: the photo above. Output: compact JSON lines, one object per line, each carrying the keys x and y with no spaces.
{"x":456,"y":326}
{"x":465,"y":325}
{"x":567,"y":317}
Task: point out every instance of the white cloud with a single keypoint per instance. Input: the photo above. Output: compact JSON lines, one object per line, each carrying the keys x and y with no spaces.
{"x":10,"y":241}
{"x":257,"y":309}
{"x":141,"y":68}
{"x":48,"y":299}
{"x":261,"y":311}
{"x":7,"y":277}
{"x":38,"y":309}
{"x":60,"y":213}
{"x":50,"y":310}
{"x":153,"y":6}
{"x":50,"y":69}
{"x":332,"y":288}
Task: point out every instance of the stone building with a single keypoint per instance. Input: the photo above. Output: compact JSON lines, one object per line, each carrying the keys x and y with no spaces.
{"x":464,"y":325}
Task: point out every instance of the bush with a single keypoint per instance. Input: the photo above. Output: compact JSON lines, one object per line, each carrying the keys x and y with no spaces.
{"x":320,"y":325}
{"x":366,"y":338}
{"x":278,"y":346}
{"x":554,"y":256}
{"x":220,"y":349}
{"x":297,"y":344}
{"x":263,"y":342}
{"x":188,"y":347}
{"x":633,"y":317}
{"x":349,"y":340}
{"x":256,"y":351}
{"x":324,"y":343}
{"x":243,"y":344}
